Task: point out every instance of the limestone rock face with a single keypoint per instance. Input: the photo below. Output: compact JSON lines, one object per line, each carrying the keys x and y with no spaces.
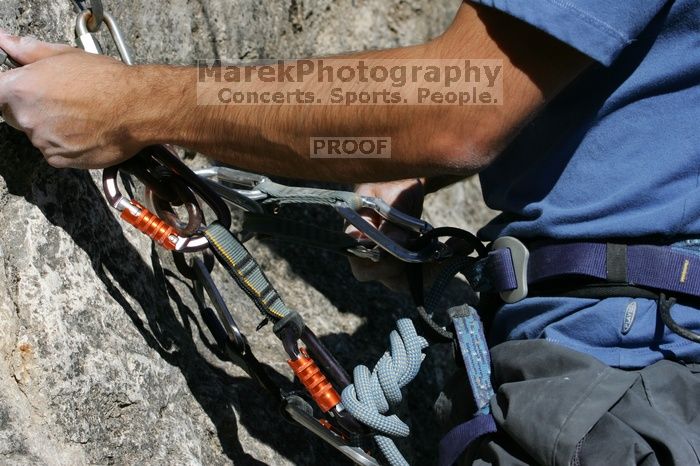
{"x":103,"y":357}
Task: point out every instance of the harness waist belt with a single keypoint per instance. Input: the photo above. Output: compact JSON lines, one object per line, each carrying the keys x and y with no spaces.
{"x":665,"y":268}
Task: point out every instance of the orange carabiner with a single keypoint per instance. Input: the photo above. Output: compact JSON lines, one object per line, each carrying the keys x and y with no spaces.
{"x":315,"y":382}
{"x":151,"y":225}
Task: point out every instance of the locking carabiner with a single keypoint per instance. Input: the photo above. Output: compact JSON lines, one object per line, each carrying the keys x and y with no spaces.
{"x":146,"y":221}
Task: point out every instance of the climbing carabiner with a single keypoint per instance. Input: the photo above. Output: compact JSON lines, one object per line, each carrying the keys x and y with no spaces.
{"x":146,"y":221}
{"x":235,"y":186}
{"x":98,"y":13}
{"x":149,"y":223}
{"x":249,"y":192}
{"x":88,"y":42}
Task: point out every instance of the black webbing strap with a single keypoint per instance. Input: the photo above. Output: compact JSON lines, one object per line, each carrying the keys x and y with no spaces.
{"x":616,"y":263}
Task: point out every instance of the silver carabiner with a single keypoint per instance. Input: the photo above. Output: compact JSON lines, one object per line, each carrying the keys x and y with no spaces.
{"x":245,"y":190}
{"x":387,"y":244}
{"x":298,"y":414}
{"x":244,"y":181}
{"x":241,"y":190}
{"x":97,"y":18}
{"x":395,"y":216}
{"x":88,"y":42}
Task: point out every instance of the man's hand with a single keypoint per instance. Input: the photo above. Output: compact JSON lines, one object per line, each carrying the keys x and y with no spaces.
{"x":74,"y":107}
{"x":405,"y":195}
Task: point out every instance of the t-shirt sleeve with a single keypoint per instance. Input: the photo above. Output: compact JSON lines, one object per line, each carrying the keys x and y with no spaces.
{"x":600,"y":29}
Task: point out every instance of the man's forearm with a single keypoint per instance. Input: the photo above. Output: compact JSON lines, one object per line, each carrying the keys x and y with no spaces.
{"x":125,"y":108}
{"x":427,"y":140}
{"x":276,"y":139}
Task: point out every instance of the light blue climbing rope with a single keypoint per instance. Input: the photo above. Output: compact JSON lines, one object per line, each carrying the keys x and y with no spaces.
{"x":374,"y":393}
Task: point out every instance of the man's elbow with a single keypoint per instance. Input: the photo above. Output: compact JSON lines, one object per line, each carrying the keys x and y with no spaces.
{"x":458,"y":153}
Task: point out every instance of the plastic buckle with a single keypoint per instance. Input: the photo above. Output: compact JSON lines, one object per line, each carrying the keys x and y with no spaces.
{"x":520,"y":256}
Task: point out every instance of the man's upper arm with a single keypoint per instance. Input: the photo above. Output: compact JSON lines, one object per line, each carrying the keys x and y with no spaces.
{"x":544,"y":45}
{"x":600,"y":29}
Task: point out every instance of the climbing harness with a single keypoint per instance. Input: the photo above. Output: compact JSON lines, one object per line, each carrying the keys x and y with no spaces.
{"x":595,"y":270}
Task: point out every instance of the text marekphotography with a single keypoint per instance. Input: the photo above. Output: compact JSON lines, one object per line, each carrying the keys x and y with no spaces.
{"x":349,"y":82}
{"x":350,"y":148}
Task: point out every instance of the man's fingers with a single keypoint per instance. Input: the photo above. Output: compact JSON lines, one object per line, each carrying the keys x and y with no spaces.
{"x":372,"y":217}
{"x":390,"y":272}
{"x":25,"y":50}
{"x":365,"y":270}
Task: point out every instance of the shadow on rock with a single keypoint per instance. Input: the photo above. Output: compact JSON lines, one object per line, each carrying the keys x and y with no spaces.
{"x":70,"y":200}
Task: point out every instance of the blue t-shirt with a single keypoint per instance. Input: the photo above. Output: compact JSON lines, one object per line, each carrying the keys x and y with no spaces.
{"x":616,"y":155}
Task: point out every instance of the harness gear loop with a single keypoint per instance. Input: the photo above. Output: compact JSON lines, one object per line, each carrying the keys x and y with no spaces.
{"x":665,"y":305}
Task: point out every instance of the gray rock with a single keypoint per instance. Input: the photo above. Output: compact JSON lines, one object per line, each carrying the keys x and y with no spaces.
{"x":103,"y":358}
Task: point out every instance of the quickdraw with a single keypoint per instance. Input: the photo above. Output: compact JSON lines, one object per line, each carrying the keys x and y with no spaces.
{"x":251,"y":192}
{"x":351,"y":409}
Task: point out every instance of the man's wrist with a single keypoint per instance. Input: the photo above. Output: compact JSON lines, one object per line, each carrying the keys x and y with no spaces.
{"x":158,"y":99}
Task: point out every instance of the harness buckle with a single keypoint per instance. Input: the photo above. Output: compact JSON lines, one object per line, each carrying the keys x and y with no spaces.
{"x":520,"y":256}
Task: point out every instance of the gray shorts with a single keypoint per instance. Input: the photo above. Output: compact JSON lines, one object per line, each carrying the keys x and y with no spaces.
{"x":556,"y":406}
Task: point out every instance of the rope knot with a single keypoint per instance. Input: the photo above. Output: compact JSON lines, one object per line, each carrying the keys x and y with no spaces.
{"x":373,"y":394}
